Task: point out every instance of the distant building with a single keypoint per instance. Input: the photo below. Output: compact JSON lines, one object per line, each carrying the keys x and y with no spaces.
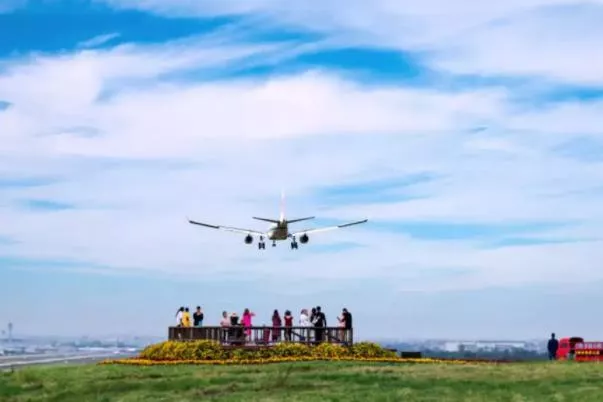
{"x":451,"y":346}
{"x":483,"y":346}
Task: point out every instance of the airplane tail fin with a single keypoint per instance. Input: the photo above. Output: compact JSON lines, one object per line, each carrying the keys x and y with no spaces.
{"x":282,"y":216}
{"x":300,"y":219}
{"x":282,"y":212}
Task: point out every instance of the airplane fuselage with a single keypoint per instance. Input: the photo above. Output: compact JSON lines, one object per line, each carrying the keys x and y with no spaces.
{"x":279,"y":231}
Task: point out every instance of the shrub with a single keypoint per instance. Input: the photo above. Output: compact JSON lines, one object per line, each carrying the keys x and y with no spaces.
{"x":194,"y":350}
{"x":329,"y":351}
{"x":369,"y":350}
{"x":290,"y":350}
{"x":213,"y":351}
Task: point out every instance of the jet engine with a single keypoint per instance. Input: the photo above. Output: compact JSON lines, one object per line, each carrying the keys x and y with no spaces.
{"x":304,"y":239}
{"x":248,"y":239}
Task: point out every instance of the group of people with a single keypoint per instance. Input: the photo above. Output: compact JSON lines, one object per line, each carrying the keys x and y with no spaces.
{"x":183,"y":317}
{"x":315,"y":321}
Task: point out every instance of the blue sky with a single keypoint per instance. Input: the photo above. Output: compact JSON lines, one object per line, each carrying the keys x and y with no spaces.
{"x":471,"y":137}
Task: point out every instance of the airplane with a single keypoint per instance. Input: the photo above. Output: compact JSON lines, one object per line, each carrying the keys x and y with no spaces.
{"x":278,"y":230}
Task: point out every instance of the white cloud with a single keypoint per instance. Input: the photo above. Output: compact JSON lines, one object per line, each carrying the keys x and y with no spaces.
{"x":253,"y":136}
{"x":544,"y":38}
{"x":310,"y":104}
{"x":46,"y":102}
{"x":554,"y":44}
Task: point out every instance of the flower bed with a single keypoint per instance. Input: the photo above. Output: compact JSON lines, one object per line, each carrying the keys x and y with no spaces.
{"x":210,"y":352}
{"x":145,"y":362}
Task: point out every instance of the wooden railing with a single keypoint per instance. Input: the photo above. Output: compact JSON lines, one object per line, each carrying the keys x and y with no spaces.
{"x":240,"y":336}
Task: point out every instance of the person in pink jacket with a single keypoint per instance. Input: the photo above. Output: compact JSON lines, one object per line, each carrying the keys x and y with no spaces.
{"x":247,"y":322}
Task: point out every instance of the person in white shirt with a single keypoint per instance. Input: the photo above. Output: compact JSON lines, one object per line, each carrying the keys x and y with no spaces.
{"x":179,"y":316}
{"x":304,"y":321}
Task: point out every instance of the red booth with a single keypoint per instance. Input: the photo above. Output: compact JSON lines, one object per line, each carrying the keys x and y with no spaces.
{"x":567,"y":347}
{"x":589,"y":351}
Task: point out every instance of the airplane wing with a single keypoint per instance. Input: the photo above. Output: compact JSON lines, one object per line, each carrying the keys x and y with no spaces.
{"x":229,"y":229}
{"x":327,"y":228}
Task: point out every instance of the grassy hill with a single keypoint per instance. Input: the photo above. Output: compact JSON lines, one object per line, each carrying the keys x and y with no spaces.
{"x":316,"y":381}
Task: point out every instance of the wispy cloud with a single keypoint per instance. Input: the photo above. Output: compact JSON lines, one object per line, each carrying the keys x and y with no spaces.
{"x":377,"y":190}
{"x":7,"y":182}
{"x":98,"y":40}
{"x":529,"y":241}
{"x":455,"y":231}
{"x":45,"y":205}
{"x":533,"y":38}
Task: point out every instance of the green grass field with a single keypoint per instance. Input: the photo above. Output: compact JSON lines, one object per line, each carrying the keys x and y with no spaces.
{"x":308,"y":382}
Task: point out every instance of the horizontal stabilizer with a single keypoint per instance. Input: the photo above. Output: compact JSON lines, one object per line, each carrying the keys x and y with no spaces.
{"x":266,"y":219}
{"x":300,"y":219}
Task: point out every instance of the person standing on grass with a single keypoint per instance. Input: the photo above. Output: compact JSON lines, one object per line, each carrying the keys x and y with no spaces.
{"x":552,"y":347}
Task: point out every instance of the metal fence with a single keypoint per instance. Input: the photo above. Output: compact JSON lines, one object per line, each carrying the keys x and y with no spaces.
{"x":239,"y":335}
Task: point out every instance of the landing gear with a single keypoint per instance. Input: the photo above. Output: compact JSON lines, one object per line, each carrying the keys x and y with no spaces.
{"x":293,"y":244}
{"x":273,"y":243}
{"x":261,"y":244}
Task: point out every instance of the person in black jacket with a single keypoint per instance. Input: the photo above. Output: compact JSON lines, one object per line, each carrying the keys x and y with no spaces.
{"x":552,"y":347}
{"x":198,"y":317}
{"x":347,"y":320}
{"x":320,"y":322}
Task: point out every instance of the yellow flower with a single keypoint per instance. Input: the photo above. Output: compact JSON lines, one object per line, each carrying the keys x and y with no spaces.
{"x":146,"y":362}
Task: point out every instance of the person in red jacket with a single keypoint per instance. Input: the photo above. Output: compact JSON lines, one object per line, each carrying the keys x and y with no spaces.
{"x":288,"y":324}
